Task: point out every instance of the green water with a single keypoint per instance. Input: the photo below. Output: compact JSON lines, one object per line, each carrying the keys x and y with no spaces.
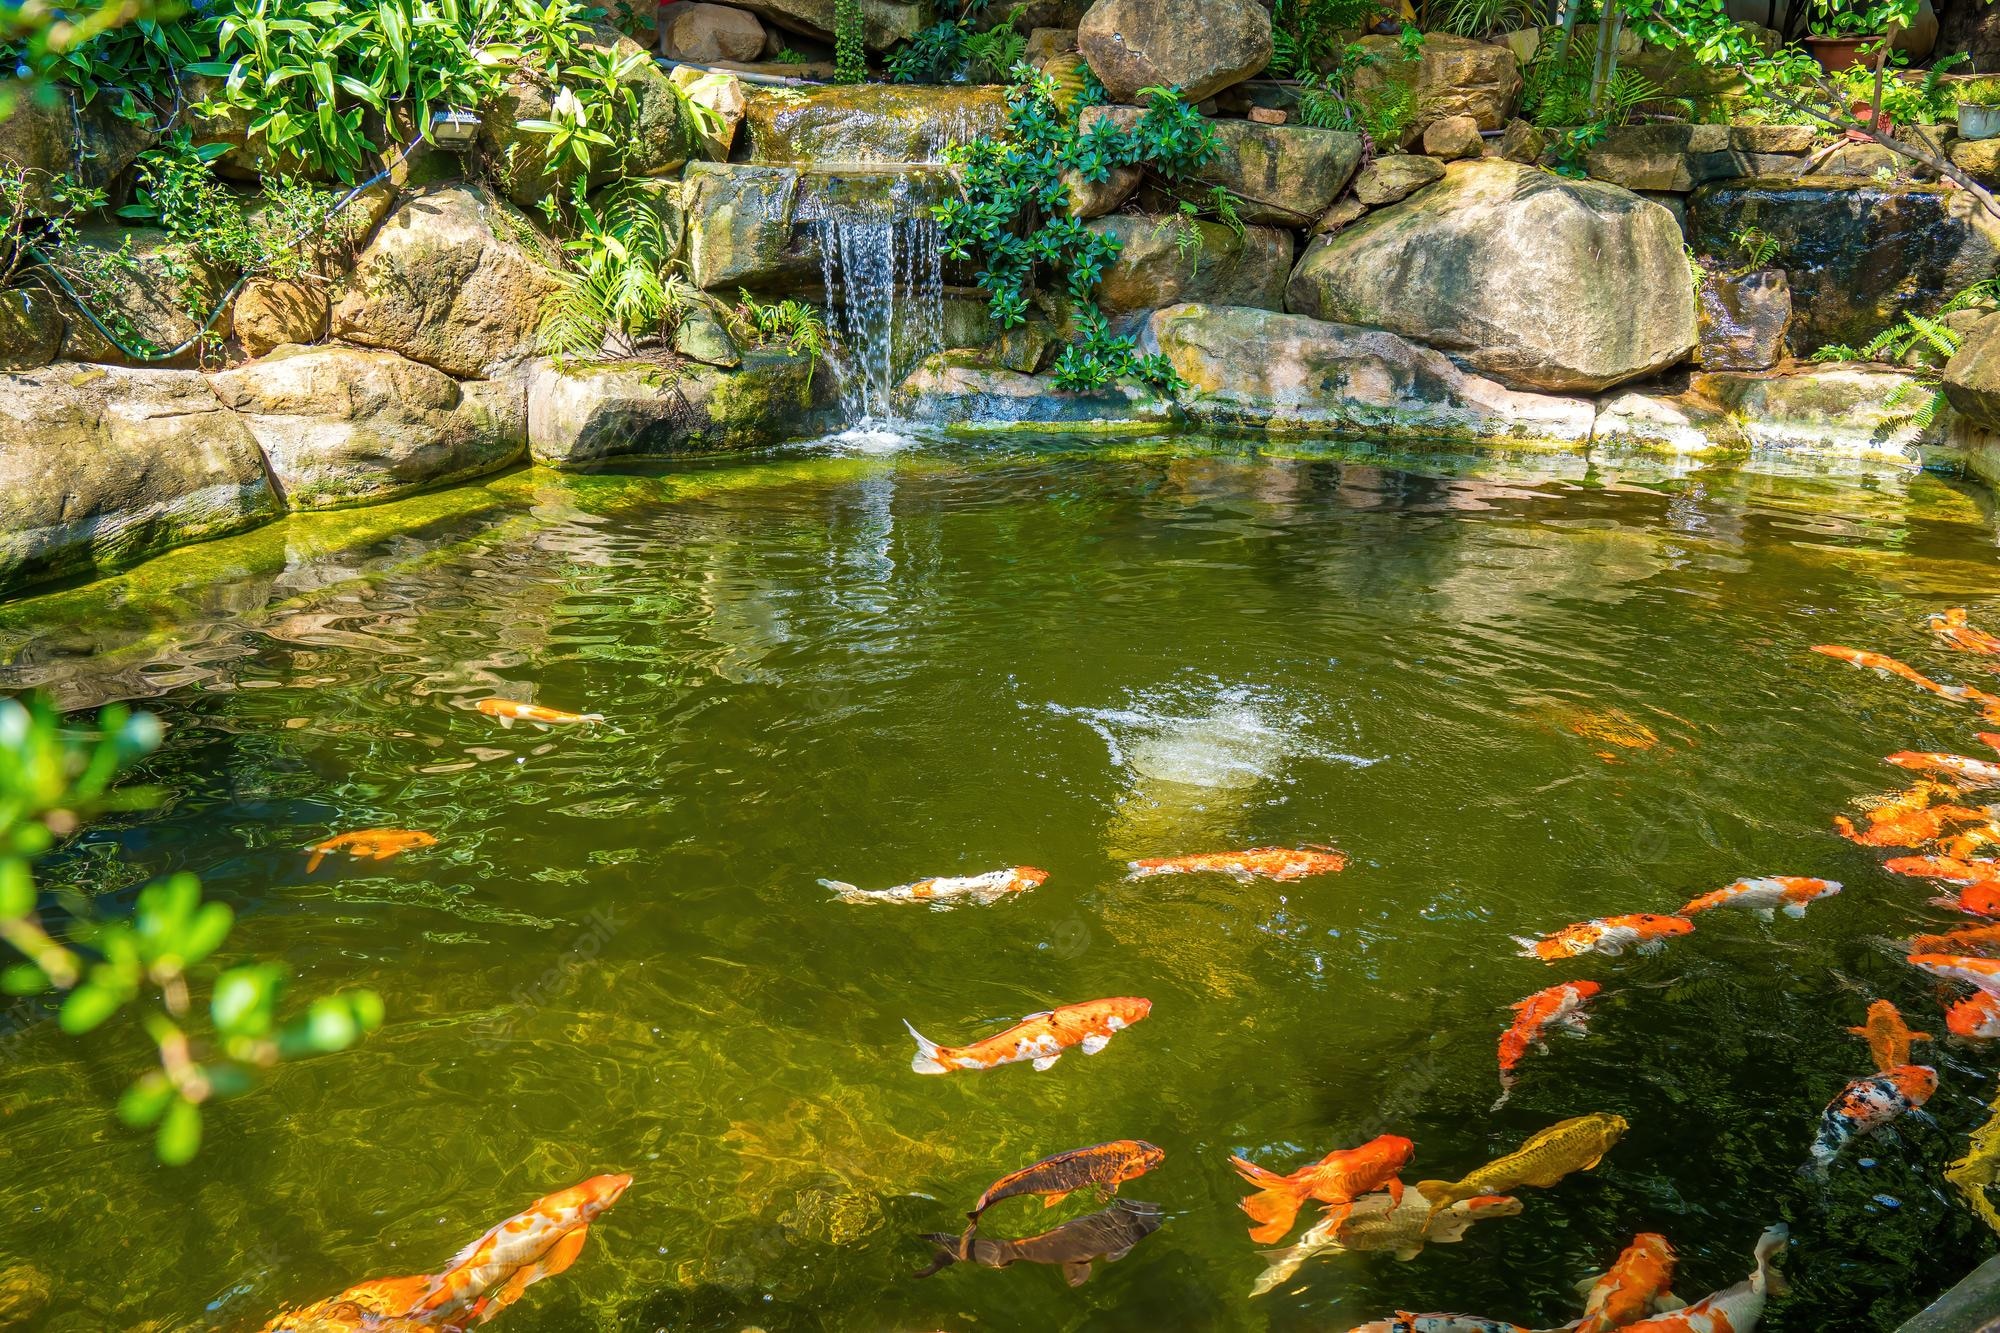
{"x":959,"y":657}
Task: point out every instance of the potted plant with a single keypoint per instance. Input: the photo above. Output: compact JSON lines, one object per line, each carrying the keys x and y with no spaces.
{"x":1842,"y":36}
{"x":1978,"y":108}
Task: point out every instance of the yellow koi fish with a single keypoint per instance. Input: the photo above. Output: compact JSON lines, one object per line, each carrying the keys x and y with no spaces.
{"x":1548,"y":1156}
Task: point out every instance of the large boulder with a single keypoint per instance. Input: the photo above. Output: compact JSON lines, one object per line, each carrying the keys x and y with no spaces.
{"x":1743,"y":320}
{"x":273,"y":312}
{"x":886,"y":22}
{"x":1395,"y":176}
{"x":46,"y":134}
{"x":1450,"y":76}
{"x":1846,"y":411}
{"x":1281,"y":175}
{"x":959,"y":388}
{"x":1197,"y":46}
{"x":1164,"y":260}
{"x":867,"y":122}
{"x":454,"y":278}
{"x":583,"y":415}
{"x":763,"y":227}
{"x":101,"y":467}
{"x":342,"y":426}
{"x":1538,"y":281}
{"x":32,"y":328}
{"x":161,"y":303}
{"x":1247,"y":367}
{"x":1857,"y":253}
{"x":707,"y":33}
{"x":1673,"y":423}
{"x":1972,"y":377}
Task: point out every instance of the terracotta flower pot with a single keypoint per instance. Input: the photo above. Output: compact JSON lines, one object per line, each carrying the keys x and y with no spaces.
{"x":1836,"y":54}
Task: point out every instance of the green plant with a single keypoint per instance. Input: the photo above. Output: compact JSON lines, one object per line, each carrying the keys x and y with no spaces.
{"x":134,"y":65}
{"x":619,"y":286}
{"x":1305,"y":34}
{"x":1841,"y":18}
{"x":52,"y":781}
{"x":787,"y":56}
{"x":956,"y":51}
{"x":850,"y":42}
{"x":1976,"y":92}
{"x":1757,"y":246}
{"x":1480,"y":19}
{"x":790,"y":324}
{"x":1385,"y":112}
{"x":40,"y":246}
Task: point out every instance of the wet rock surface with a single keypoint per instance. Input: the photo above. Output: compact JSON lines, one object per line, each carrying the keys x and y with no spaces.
{"x":867,"y":123}
{"x":586,"y":414}
{"x":1744,"y":317}
{"x":1166,"y":259}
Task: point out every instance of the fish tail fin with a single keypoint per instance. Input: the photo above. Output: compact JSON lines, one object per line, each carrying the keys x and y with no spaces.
{"x":928,"y":1059}
{"x":1506,"y":1091}
{"x":1282,"y":1264}
{"x":843,"y":891}
{"x":1255,"y":1174}
{"x":945,"y":1251}
{"x":312,"y":862}
{"x":1769,"y":1246}
{"x":1274,"y":1211}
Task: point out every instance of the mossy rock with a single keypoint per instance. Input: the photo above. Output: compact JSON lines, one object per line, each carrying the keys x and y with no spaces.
{"x":869,"y":122}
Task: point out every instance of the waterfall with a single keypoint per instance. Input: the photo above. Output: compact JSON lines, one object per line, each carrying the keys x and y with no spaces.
{"x":882,"y":263}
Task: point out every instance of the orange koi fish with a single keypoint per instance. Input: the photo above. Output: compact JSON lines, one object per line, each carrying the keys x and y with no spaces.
{"x":1989,"y":704}
{"x":1763,"y":896}
{"x":1898,"y":825}
{"x":1643,"y":1274}
{"x":1646,"y":932}
{"x":1889,"y":1037}
{"x":1952,"y":627}
{"x":1280,"y":863}
{"x":1337,"y":1180}
{"x":1977,"y":772}
{"x":1867,"y":1105}
{"x":1040,"y":1038}
{"x":1734,"y":1309}
{"x":1975,"y":1018}
{"x":1978,"y":941}
{"x":1981,"y":972}
{"x":510,"y":711}
{"x":484,"y":1278}
{"x":947,"y":891}
{"x":1103,"y":1166}
{"x":1558,"y":1006}
{"x":378,"y":843}
{"x":1978,"y":881}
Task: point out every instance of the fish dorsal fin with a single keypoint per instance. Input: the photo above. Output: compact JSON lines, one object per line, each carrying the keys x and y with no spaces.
{"x":1029,"y":1018}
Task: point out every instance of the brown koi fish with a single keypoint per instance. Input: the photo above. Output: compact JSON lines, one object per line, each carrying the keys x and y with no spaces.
{"x":370,"y":843}
{"x":1108,"y":1235}
{"x":1102,"y":1166}
{"x":1380,"y":1223}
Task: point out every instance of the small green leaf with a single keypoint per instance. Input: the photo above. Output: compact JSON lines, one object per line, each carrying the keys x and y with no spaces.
{"x":23,"y":979}
{"x":87,"y":1007}
{"x":330,"y":1027}
{"x":146,"y":1100}
{"x":17,"y":888}
{"x":179,"y":1138}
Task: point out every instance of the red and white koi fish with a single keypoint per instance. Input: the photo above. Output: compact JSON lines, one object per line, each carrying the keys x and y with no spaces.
{"x":1975,"y":1018}
{"x":1791,"y":893}
{"x":947,"y":891}
{"x":483,"y":1279}
{"x":1975,"y":772}
{"x":1283,"y":864}
{"x":1989,"y":705}
{"x":1889,"y":1037}
{"x":373,"y":843}
{"x":1646,"y":932}
{"x":510,"y":711}
{"x":1637,"y":1284}
{"x":1981,"y":972}
{"x":1952,"y":627}
{"x":1559,"y":1006}
{"x":1336,"y":1180}
{"x":1734,"y":1309}
{"x":1867,"y":1105}
{"x":1978,"y":941}
{"x":1040,"y":1038}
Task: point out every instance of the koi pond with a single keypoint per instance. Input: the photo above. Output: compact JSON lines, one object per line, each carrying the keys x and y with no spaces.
{"x":1516,"y":695}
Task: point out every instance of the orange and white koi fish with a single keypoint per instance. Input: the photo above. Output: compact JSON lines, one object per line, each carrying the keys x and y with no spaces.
{"x":1952,"y":627}
{"x":1405,"y":1322}
{"x":1380,"y":1223}
{"x":1976,"y":772}
{"x":1981,"y":972}
{"x":483,"y":1279}
{"x":1904,"y":822}
{"x":371,"y":843}
{"x":1867,"y":1105}
{"x":510,"y":711}
{"x":1039,"y":1038}
{"x":1559,"y":1006}
{"x":1283,"y":864}
{"x":1978,"y":881}
{"x":947,"y":891}
{"x":1989,"y":705}
{"x":1791,"y":893}
{"x":1978,"y":941}
{"x":1734,"y":1309}
{"x":1889,"y":1037}
{"x":1641,"y":1278}
{"x":1975,"y":1018}
{"x":1647,"y":932}
{"x":1337,"y":1180}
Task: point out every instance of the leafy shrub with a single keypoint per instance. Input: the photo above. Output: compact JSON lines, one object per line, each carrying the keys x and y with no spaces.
{"x":1306,"y":34}
{"x":790,"y":324}
{"x":850,"y":42}
{"x":619,"y":286}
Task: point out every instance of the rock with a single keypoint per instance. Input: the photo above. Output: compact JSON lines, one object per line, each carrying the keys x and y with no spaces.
{"x":1654,"y":157}
{"x":710,"y":33}
{"x":701,"y":337}
{"x":1676,"y":204}
{"x":1860,"y":159}
{"x":887,"y":22}
{"x":1972,"y":377}
{"x":1978,"y":158}
{"x":1344,"y":213}
{"x":271,"y":312}
{"x":1453,"y":137}
{"x":1266,"y":115}
{"x":32,"y":328}
{"x":1538,"y":281}
{"x":720,"y":93}
{"x":641,"y":410}
{"x":1281,"y":176}
{"x":342,"y":426}
{"x":1967,"y":318}
{"x":1793,"y":139}
{"x":454,"y":278}
{"x":47,"y":135}
{"x":956,"y":388}
{"x":1045,"y":43}
{"x":1843,"y":410}
{"x":149,"y":308}
{"x":1452,"y":76}
{"x":739,"y":226}
{"x":1857,"y":253}
{"x":1395,"y":176}
{"x":1743,"y":320}
{"x":1093,"y":199}
{"x":1158,"y":265}
{"x":870,"y":122}
{"x":1197,"y":46}
{"x":1680,"y":423}
{"x":1026,"y":348}
{"x":105,"y":466}
{"x":1522,"y":142}
{"x":1288,"y":372}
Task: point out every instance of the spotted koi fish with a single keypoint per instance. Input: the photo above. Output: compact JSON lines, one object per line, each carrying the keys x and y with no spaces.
{"x":1975,"y":1018}
{"x":1789,"y":893}
{"x":373,"y":843}
{"x":1560,"y":1006}
{"x":1976,"y":772}
{"x":1981,"y":972}
{"x":1283,"y":864}
{"x":1380,"y":1223}
{"x":1866,"y":1106}
{"x":948,"y":891}
{"x":1988,"y":704}
{"x":1040,"y":1038}
{"x":482,"y":1280}
{"x":510,"y":711}
{"x":1642,"y":1277}
{"x":1646,"y":932}
{"x":1103,"y":1167}
{"x":1953,"y":627}
{"x":1405,"y":1322}
{"x":1888,"y":1036}
{"x":1734,"y":1309}
{"x":1337,"y":1180}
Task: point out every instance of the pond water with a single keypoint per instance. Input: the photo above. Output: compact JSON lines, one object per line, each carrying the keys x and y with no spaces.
{"x":877,"y":666}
